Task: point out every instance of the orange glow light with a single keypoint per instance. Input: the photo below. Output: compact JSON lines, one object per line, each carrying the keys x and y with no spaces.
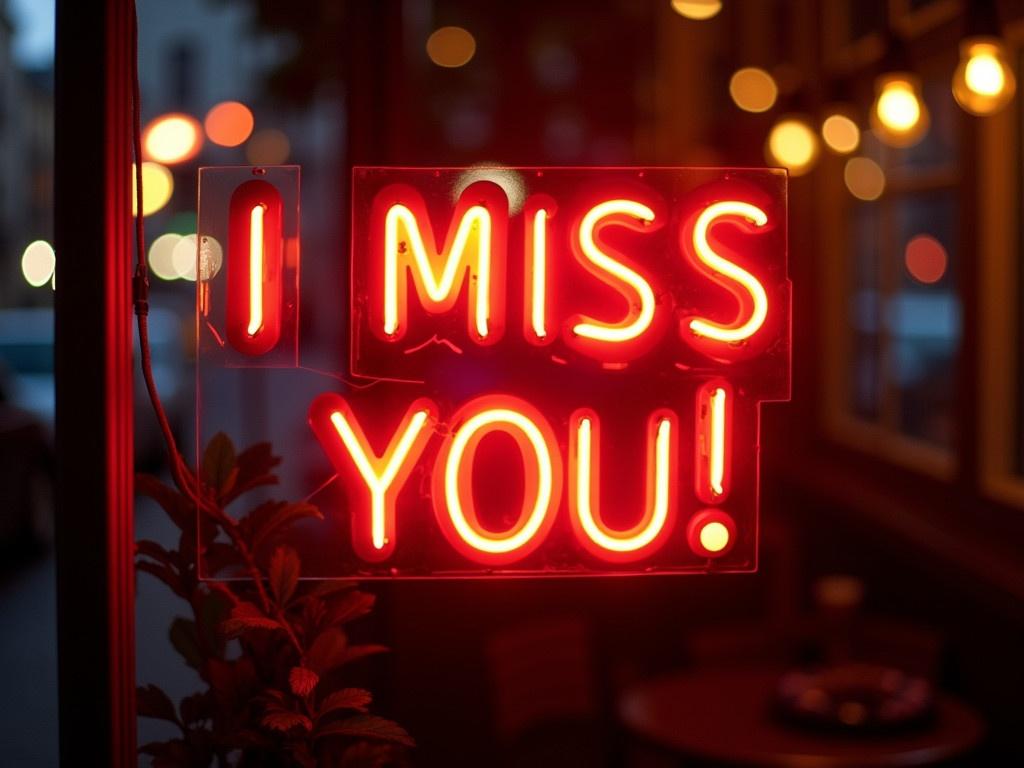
{"x":228,"y":123}
{"x":451,"y":47}
{"x":453,"y":479}
{"x":438,"y":288}
{"x":635,"y":216}
{"x":256,"y":250}
{"x":723,"y":268}
{"x":584,"y":499}
{"x":380,"y":477}
{"x":172,"y":138}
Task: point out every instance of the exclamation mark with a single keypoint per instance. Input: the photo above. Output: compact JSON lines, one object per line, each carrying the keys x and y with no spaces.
{"x":711,"y":531}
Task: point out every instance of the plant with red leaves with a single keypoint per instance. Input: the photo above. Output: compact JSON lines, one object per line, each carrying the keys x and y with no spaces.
{"x":271,"y":650}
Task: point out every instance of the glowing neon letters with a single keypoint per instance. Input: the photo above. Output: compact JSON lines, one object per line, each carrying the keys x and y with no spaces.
{"x":548,"y":370}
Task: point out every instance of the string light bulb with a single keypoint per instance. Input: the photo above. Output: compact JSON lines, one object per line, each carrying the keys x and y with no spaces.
{"x":983,"y":82}
{"x":899,"y":116}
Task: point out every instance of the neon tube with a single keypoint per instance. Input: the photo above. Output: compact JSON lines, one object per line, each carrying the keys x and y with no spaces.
{"x":637,"y":320}
{"x":256,"y":251}
{"x":716,"y":331}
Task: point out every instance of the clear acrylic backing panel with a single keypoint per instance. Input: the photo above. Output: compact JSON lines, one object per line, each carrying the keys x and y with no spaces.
{"x":512,"y":372}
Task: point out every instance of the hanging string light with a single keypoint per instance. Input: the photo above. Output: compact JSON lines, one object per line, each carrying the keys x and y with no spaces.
{"x":899,"y":116}
{"x":983,"y":82}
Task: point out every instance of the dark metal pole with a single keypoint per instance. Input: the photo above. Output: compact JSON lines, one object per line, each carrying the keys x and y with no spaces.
{"x":93,"y":358}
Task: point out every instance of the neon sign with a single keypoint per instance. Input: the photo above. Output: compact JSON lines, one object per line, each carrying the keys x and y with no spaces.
{"x":561,"y":381}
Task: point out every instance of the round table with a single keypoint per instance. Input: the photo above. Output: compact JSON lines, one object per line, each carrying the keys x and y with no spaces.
{"x":723,"y":715}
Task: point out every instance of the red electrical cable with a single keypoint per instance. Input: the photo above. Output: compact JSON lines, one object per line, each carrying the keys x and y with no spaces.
{"x":140,"y":281}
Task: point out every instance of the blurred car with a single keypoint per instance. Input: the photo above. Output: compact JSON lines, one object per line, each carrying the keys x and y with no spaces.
{"x":27,"y":412}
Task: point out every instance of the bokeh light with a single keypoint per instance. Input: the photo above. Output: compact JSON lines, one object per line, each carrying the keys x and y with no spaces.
{"x":161,"y":261}
{"x":899,"y":116}
{"x":38,"y":262}
{"x":172,"y":138}
{"x":183,"y":257}
{"x":926,"y":259}
{"x":983,"y":82}
{"x":840,"y":133}
{"x":793,"y":144}
{"x":211,"y":257}
{"x":268,"y":147}
{"x":229,"y":123}
{"x":451,"y":47}
{"x":698,"y":10}
{"x":864,"y":178}
{"x":157,"y":188}
{"x":753,"y":89}
{"x":511,"y":183}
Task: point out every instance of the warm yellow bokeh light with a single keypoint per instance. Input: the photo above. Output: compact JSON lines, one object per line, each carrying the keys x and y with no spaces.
{"x":451,"y":47}
{"x":161,"y":261}
{"x":157,"y":188}
{"x":268,"y":147}
{"x":184,"y":255}
{"x":172,"y":138}
{"x":899,"y":116}
{"x":38,"y":262}
{"x":840,"y":133}
{"x":753,"y":89}
{"x":793,"y":144}
{"x":984,"y":74}
{"x":211,"y":257}
{"x":864,"y":178}
{"x":714,"y":537}
{"x":698,"y":10}
{"x":983,"y":82}
{"x":228,"y":123}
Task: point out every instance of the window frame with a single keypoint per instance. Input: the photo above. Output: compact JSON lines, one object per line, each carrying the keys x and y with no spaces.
{"x":839,"y":423}
{"x":1000,"y":239}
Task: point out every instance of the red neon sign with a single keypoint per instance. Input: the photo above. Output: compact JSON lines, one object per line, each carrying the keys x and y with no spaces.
{"x":564,"y":380}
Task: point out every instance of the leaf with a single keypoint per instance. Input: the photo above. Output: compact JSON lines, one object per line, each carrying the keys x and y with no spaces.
{"x":278,"y":519}
{"x":367,"y":727}
{"x":246,"y":616}
{"x":349,"y":607}
{"x":219,"y":469}
{"x":196,"y":707}
{"x":347,"y":698}
{"x":168,"y":754}
{"x":327,"y":589}
{"x":154,"y":551}
{"x":302,"y":681}
{"x":185,"y":640}
{"x":178,"y":507}
{"x":285,"y":720}
{"x":284,"y":574}
{"x":164,"y":574}
{"x":211,"y":610}
{"x":220,"y":555}
{"x":354,"y":652}
{"x":327,"y":651}
{"x":153,"y":702}
{"x":254,"y":466}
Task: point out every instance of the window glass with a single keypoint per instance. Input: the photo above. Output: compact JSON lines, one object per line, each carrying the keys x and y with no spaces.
{"x":904,"y":310}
